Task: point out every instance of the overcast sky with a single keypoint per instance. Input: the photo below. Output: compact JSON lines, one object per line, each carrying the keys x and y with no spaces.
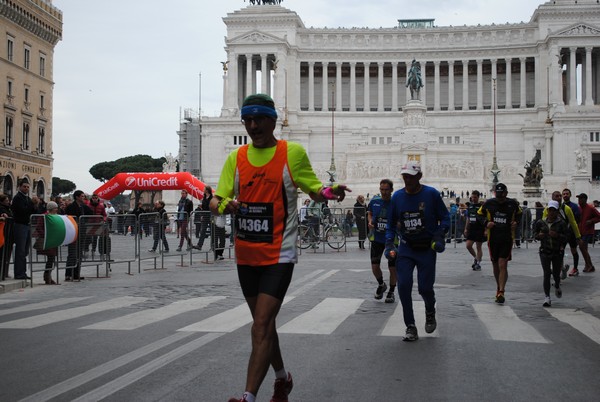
{"x":125,"y":68}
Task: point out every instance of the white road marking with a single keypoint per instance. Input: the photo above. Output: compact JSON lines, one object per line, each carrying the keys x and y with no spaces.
{"x":54,"y":317}
{"x":45,"y":304}
{"x":322,"y":319}
{"x":585,"y":323}
{"x":504,"y":325}
{"x":145,"y":317}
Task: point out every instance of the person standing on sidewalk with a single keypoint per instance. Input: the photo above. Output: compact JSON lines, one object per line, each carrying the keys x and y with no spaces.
{"x":475,"y":231}
{"x":502,"y":215}
{"x":589,"y":217}
{"x":421,"y":220}
{"x":185,"y":207}
{"x":552,"y":231}
{"x":22,"y":208}
{"x":360,"y":213}
{"x":204,"y":215}
{"x":377,"y":213}
{"x":74,"y":250}
{"x":258,"y":185}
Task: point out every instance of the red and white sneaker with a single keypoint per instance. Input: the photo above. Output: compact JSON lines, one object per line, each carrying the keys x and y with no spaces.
{"x":574,"y":272}
{"x":282,"y":389}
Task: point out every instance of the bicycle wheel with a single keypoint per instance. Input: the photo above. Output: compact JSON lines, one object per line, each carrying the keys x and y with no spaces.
{"x":334,"y":236}
{"x":304,"y":236}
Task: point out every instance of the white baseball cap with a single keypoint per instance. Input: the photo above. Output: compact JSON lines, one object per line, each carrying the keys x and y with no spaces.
{"x":553,"y":204}
{"x":412,"y":168}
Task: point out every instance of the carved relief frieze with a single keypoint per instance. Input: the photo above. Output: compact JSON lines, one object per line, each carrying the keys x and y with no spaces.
{"x":580,"y":30}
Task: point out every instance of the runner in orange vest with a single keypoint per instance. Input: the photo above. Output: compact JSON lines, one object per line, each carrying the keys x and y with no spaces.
{"x":258,"y":186}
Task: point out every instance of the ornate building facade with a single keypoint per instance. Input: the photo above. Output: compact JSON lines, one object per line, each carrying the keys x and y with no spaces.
{"x":506,"y":90}
{"x":30,"y":30}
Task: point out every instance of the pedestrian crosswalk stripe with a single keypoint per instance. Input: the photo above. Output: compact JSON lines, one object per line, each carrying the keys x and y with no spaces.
{"x":395,"y":324}
{"x":503,"y":324}
{"x":8,"y":301}
{"x":227,"y":321}
{"x":145,"y":317}
{"x":54,"y":317}
{"x":45,"y":304}
{"x":585,"y":323}
{"x":312,"y":283}
{"x":322,"y":319}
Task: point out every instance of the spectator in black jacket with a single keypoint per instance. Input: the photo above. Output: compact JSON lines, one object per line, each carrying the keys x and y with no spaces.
{"x":185,"y":207}
{"x":205,"y":217}
{"x":22,"y":208}
{"x":77,"y":208}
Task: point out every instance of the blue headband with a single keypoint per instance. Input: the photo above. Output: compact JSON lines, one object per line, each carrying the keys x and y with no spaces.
{"x":258,"y":110}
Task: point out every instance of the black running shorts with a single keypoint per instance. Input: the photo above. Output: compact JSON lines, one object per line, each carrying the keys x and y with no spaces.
{"x":500,"y":247}
{"x":476,"y":236}
{"x":273,"y":280}
{"x":377,"y":250}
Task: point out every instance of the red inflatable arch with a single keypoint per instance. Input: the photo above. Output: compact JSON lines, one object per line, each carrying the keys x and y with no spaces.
{"x":153,"y":181}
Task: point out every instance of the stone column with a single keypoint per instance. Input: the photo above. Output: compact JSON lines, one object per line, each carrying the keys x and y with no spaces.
{"x":380,"y":106}
{"x":451,"y":85}
{"x":264,"y":74}
{"x":465,"y":85}
{"x":508,"y":83}
{"x":572,"y":76}
{"x":479,"y":84}
{"x":523,"y":102}
{"x":353,"y":86}
{"x":394,"y":86}
{"x":311,"y":86}
{"x":436,"y":85}
{"x":423,"y":90}
{"x":338,"y":85}
{"x":249,"y":80}
{"x":548,"y":151}
{"x":588,"y":77}
{"x":407,"y":96}
{"x":367,"y":89}
{"x":325,"y":87}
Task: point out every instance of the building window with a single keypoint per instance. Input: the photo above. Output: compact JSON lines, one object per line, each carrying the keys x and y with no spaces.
{"x":448,"y":140}
{"x":10,"y":48}
{"x":594,"y":136}
{"x":381,"y":141}
{"x":441,"y":140}
{"x":10,"y":88}
{"x":26,"y":95}
{"x":8,"y":138}
{"x":25,"y":136}
{"x":42,"y":140}
{"x":374,"y":141}
{"x":595,"y":166}
{"x":389,"y":140}
{"x":457,"y":140}
{"x":42,"y":64}
{"x":42,"y":99}
{"x":240,"y":139}
{"x":27,"y":57}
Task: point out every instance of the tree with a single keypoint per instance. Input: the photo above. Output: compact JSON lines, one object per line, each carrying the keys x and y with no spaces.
{"x":62,"y":186}
{"x":104,"y":171}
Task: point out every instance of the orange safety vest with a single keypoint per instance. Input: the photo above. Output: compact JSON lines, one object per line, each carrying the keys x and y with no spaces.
{"x":262,"y":220}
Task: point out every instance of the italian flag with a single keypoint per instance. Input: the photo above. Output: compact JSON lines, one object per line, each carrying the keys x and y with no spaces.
{"x":59,"y":230}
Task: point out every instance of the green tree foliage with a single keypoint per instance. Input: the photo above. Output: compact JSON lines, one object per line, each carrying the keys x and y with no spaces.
{"x":105,"y":171}
{"x":62,"y":186}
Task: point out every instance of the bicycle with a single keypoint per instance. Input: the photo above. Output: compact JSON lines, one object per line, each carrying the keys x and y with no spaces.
{"x":333,"y":235}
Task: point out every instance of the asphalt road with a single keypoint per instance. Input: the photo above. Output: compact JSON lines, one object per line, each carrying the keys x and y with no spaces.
{"x":182,"y":334}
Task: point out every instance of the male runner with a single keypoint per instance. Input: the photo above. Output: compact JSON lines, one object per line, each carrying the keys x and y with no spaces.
{"x":475,"y":231}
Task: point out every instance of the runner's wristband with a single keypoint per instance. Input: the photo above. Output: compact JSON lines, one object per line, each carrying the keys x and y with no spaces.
{"x":222,"y":205}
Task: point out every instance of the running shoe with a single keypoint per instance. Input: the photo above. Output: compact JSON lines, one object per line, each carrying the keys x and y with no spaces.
{"x":282,"y":389}
{"x":380,"y":290}
{"x":589,"y":269}
{"x":500,"y":297}
{"x":547,"y":302}
{"x":563,"y":271}
{"x":390,"y":298}
{"x":430,"y":322}
{"x":557,"y":291}
{"x":477,"y":267}
{"x":411,"y":334}
{"x":474,"y":264}
{"x":574,"y":272}
{"x":242,"y":399}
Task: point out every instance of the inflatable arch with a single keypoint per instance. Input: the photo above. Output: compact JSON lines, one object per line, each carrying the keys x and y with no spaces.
{"x":153,"y":181}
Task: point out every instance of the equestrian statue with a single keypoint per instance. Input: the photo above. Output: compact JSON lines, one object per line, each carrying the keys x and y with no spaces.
{"x":414,"y":81}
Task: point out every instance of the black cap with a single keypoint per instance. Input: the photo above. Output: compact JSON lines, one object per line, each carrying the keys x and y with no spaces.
{"x":500,"y":188}
{"x":582,"y":195}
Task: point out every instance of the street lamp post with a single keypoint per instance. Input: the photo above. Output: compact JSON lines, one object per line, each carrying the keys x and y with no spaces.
{"x":332,"y":170}
{"x":495,"y":170}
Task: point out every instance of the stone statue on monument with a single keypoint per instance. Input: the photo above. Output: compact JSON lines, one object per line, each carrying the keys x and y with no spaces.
{"x":580,"y":161}
{"x":171,"y":164}
{"x":414,"y":81}
{"x":533,"y":171}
